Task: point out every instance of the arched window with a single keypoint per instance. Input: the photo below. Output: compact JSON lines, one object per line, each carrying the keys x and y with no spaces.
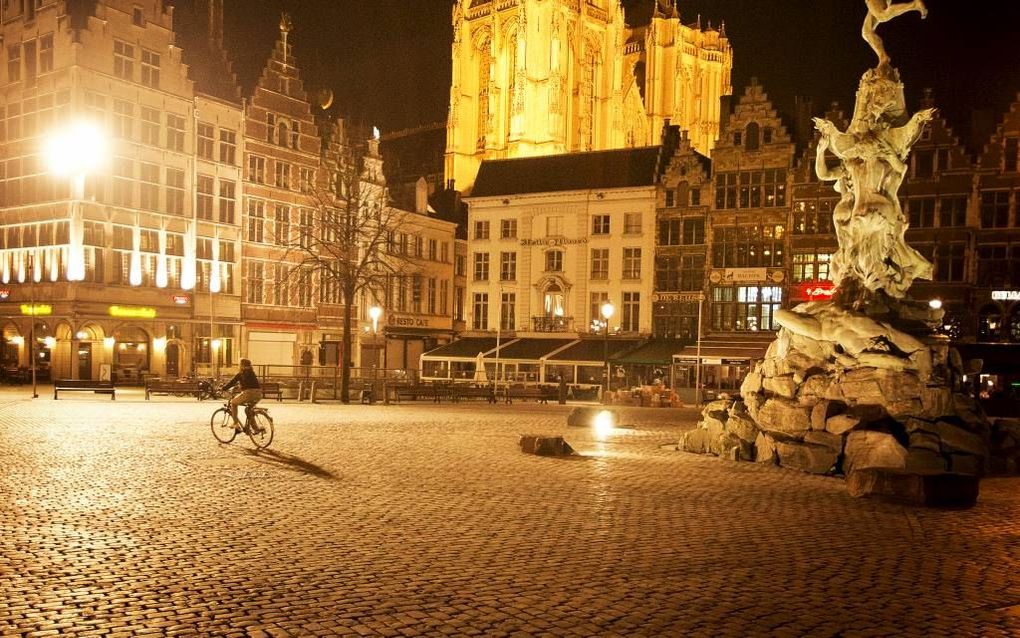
{"x":753,"y":133}
{"x":554,"y":301}
{"x":283,"y":133}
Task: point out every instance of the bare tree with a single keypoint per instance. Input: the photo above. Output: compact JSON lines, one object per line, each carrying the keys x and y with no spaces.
{"x":345,"y":236}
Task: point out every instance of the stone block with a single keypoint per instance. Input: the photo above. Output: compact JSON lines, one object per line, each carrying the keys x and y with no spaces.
{"x":783,"y":386}
{"x":695,"y":441}
{"x":825,"y":439}
{"x":726,"y":445}
{"x":867,"y":449}
{"x":931,"y":490}
{"x":815,"y":387}
{"x":823,"y":411}
{"x":957,"y":439}
{"x":924,"y":441}
{"x":751,"y":384}
{"x":714,"y":426}
{"x":841,"y":423}
{"x":924,"y":461}
{"x":903,"y":408}
{"x":742,"y":426}
{"x":815,"y":459}
{"x":784,"y":417}
{"x":765,"y":449}
{"x":867,"y":413}
{"x":966,"y":464}
{"x":936,"y":401}
{"x":544,"y":445}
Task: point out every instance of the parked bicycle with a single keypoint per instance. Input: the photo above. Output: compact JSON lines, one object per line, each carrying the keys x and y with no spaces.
{"x":258,"y":425}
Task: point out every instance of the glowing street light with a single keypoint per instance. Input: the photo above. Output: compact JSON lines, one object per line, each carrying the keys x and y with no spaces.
{"x":935,"y":304}
{"x":607,"y":312}
{"x":374,"y":313}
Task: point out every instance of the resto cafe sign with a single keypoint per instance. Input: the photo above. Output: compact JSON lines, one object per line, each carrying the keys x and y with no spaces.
{"x":553,"y":241}
{"x":1006,"y":295}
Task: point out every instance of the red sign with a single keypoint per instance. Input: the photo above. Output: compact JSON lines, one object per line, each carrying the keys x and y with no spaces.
{"x":817,"y":290}
{"x":181,"y":299}
{"x":4,"y":293}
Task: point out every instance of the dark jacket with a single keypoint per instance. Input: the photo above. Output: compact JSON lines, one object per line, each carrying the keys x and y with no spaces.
{"x":246,"y":377}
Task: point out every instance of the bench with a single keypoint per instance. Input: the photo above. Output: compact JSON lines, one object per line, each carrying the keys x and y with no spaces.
{"x":469,"y":392}
{"x":272,"y":389}
{"x":84,"y":385}
{"x":157,"y":386}
{"x":541,"y":393}
{"x":412,"y":392}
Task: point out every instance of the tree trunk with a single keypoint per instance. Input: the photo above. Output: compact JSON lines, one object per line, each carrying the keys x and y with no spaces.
{"x":345,"y":358}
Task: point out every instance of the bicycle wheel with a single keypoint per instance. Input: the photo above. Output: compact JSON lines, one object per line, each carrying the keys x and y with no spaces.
{"x":260,"y":429}
{"x":223,"y":426}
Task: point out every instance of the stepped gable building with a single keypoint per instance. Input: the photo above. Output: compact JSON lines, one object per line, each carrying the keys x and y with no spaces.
{"x":537,"y":78}
{"x":101,"y":281}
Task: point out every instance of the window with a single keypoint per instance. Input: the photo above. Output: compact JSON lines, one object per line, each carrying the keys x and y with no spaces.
{"x":149,"y":186}
{"x":480,"y":314}
{"x":738,"y":138}
{"x":227,"y":201}
{"x":1009,"y":154}
{"x":811,"y":266}
{"x":508,"y":229}
{"x":123,"y":182}
{"x":205,"y":197}
{"x":507,"y":311}
{"x":508,"y":266}
{"x":307,"y":179}
{"x":600,"y":225}
{"x":554,"y":226}
{"x":748,"y":246}
{"x":46,"y":53}
{"x":994,"y":209}
{"x":695,"y":194}
{"x":281,"y":221}
{"x":174,"y":191}
{"x":632,"y":223}
{"x":600,"y":263}
{"x":282,"y":175}
{"x":752,"y":141}
{"x":150,"y":69}
{"x":766,"y":135}
{"x":205,"y":140}
{"x":444,"y":297}
{"x":670,"y":198}
{"x":924,"y":163}
{"x":123,"y":60}
{"x":751,"y":189}
{"x":993,"y":266}
{"x":746,"y":308}
{"x":631,"y":317}
{"x":433,"y":249}
{"x":813,"y":217}
{"x":256,"y":220}
{"x":175,"y":132}
{"x":458,"y":303}
{"x":14,"y":63}
{"x":123,"y":119}
{"x":256,"y":169}
{"x":921,"y":212}
{"x":632,"y":263}
{"x":953,"y":211}
{"x":481,"y":266}
{"x":150,"y":126}
{"x":418,"y":246}
{"x":270,"y":127}
{"x":598,"y":299}
{"x":459,"y":265}
{"x":481,"y":230}
{"x":950,"y":260}
{"x":694,"y":231}
{"x":137,"y":17}
{"x":228,"y":146}
{"x":255,"y":282}
{"x":554,"y":261}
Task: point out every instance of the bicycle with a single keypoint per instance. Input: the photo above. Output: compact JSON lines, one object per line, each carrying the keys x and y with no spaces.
{"x":258,"y":425}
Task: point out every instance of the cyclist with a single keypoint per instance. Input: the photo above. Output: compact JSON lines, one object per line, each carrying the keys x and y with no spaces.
{"x":251,"y":390}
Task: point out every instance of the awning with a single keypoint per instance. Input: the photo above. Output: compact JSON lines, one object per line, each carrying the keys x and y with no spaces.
{"x":593,"y":350}
{"x":653,"y":352}
{"x":728,"y":349}
{"x":467,"y":348}
{"x":998,"y":358}
{"x":530,"y":349}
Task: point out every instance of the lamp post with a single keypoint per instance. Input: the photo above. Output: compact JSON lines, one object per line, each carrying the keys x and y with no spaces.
{"x":607,"y":312}
{"x":31,"y":335}
{"x":374,"y":313}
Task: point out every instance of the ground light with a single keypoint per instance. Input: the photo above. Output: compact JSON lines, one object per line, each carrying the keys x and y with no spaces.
{"x":603,"y":423}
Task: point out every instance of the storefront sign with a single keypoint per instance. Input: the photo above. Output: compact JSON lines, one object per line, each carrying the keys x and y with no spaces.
{"x":1006,"y":295}
{"x":132,"y":312}
{"x":817,"y":291}
{"x":181,"y":300}
{"x":677,"y":296}
{"x":4,"y":293}
{"x":36,"y":310}
{"x":409,"y":322}
{"x":553,"y":241}
{"x":738,"y":275}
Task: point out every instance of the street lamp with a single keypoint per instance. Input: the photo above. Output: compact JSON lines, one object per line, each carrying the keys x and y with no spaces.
{"x":374,"y":313}
{"x":607,"y":312}
{"x":214,"y":347}
{"x":935,"y":304}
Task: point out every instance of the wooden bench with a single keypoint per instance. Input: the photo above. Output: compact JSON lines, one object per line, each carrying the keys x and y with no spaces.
{"x":157,"y":386}
{"x":84,"y":385}
{"x":434,"y":392}
{"x":272,"y":389}
{"x":469,"y":392}
{"x":541,"y":393}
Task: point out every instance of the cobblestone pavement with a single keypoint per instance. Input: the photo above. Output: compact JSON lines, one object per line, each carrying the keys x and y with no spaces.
{"x":127,"y":518}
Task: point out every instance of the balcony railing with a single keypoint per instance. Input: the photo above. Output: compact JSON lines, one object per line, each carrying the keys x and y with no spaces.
{"x":551,"y":324}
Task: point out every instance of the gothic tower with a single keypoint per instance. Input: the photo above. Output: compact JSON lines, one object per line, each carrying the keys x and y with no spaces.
{"x":542,"y":77}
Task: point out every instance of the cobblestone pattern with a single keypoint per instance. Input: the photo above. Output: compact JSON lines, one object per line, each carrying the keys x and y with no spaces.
{"x":127,"y":518}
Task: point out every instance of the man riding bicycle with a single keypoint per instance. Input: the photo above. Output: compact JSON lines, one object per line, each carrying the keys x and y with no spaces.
{"x":251,"y":390}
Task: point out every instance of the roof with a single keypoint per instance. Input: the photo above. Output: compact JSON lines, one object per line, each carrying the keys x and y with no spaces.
{"x":653,"y":352}
{"x":531,"y":349}
{"x":594,"y":350}
{"x":467,"y":348}
{"x":619,"y":168}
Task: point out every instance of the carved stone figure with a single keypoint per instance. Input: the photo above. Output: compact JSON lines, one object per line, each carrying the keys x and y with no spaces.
{"x":880,"y":11}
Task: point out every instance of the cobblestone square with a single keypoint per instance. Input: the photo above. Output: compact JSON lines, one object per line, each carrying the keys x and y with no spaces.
{"x":127,"y":518}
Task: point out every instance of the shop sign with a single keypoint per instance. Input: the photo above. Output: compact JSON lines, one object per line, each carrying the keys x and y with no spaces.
{"x":36,"y":310}
{"x":409,"y":322}
{"x":1006,"y":295}
{"x":132,"y":312}
{"x":553,"y":241}
{"x":4,"y":293}
{"x":742,"y":275}
{"x":817,"y":291}
{"x":677,"y":296}
{"x":181,"y":300}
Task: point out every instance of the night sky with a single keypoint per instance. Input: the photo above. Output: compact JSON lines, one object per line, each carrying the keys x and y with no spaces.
{"x":389,"y":60}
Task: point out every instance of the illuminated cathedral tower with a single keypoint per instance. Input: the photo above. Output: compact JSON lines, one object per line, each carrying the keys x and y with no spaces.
{"x":541,"y":77}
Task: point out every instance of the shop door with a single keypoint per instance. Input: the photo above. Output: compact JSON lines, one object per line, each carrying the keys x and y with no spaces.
{"x":173,"y":360}
{"x":85,"y":360}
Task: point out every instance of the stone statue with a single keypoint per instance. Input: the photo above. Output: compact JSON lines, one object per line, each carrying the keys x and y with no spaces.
{"x":880,"y":11}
